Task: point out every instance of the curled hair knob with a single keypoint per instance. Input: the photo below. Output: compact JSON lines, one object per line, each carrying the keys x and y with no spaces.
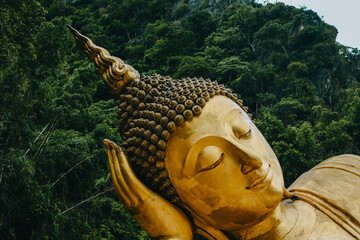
{"x":188,"y":103}
{"x":151,"y":159}
{"x":160,"y":154}
{"x":147,"y":87}
{"x":171,"y":114}
{"x":146,"y":165}
{"x":206,"y":96}
{"x":182,"y":99}
{"x":158,"y":129}
{"x":217,"y":91}
{"x":154,"y":92}
{"x":233,"y":97}
{"x":124,"y":116}
{"x":143,"y":154}
{"x":127,"y":97}
{"x":198,"y":90}
{"x":164,"y":185}
{"x":188,"y":114}
{"x":122,"y":105}
{"x":137,"y":151}
{"x":158,"y":107}
{"x":141,"y":94}
{"x":180,"y":108}
{"x":164,"y":121}
{"x":134,"y":102}
{"x":134,"y":91}
{"x":119,"y":113}
{"x":135,"y":114}
{"x":186,"y":92}
{"x":161,"y":144}
{"x":174,"y":95}
{"x":141,"y":106}
{"x":171,"y":127}
{"x":165,"y":135}
{"x":154,"y":138}
{"x":152,"y":149}
{"x":157,"y":117}
{"x":173,"y":104}
{"x":201,"y":102}
{"x":211,"y":92}
{"x":179,"y":120}
{"x":145,"y":144}
{"x":147,"y":134}
{"x":196,"y":110}
{"x":192,"y":96}
{"x":170,"y":192}
{"x":154,"y":82}
{"x":163,"y":174}
{"x":151,"y":125}
{"x":151,"y":115}
{"x":164,"y":110}
{"x":166,"y":101}
{"x":160,"y":164}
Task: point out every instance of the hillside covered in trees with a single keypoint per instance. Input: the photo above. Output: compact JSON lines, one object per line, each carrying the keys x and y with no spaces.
{"x":302,"y":87}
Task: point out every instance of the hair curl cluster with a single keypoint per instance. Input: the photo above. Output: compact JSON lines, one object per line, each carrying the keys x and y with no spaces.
{"x":150,"y":110}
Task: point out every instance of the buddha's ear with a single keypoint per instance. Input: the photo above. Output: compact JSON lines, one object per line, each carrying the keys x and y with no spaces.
{"x":206,"y":230}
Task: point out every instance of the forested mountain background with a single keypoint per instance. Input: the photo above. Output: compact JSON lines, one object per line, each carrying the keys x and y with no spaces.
{"x":302,"y":87}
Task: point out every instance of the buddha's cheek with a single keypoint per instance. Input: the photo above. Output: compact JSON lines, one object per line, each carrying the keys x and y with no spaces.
{"x":201,"y":198}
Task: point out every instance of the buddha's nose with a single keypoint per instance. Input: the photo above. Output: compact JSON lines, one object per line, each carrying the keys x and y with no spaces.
{"x":251,"y":165}
{"x":249,"y":159}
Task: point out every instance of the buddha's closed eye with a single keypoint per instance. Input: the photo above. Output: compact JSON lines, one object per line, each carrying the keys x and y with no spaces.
{"x":209,"y":158}
{"x":240,"y":124}
{"x":240,"y":134}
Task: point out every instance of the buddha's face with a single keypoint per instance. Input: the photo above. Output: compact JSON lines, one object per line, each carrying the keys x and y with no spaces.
{"x":222,"y":167}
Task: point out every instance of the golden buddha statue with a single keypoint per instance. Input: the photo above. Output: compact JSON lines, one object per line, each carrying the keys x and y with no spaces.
{"x":192,"y":160}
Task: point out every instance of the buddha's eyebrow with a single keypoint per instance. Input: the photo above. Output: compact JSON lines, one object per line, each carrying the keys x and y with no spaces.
{"x":234,"y":111}
{"x":233,"y":115}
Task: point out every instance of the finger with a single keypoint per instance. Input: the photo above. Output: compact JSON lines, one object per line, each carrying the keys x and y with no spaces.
{"x":130,"y":178}
{"x":120,"y":178}
{"x":118,"y":189}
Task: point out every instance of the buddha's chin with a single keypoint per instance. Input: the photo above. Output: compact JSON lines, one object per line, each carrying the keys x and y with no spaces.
{"x":234,"y":219}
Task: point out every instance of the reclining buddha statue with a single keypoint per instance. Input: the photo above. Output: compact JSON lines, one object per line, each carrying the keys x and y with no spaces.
{"x":192,"y":160}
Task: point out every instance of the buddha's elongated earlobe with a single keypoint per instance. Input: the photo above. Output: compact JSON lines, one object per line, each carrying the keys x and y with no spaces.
{"x":115,"y":72}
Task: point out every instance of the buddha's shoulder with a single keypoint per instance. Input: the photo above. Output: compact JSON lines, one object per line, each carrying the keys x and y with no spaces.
{"x":345,"y":160}
{"x":342,"y":170}
{"x":333,"y":188}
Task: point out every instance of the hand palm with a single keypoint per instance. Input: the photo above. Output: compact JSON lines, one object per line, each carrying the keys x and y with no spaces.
{"x":159,"y":218}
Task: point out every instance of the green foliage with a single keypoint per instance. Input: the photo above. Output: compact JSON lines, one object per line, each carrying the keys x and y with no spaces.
{"x":302,"y":87}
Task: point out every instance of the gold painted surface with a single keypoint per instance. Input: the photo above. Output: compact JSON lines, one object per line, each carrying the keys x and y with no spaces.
{"x":115,"y":72}
{"x":226,"y":176}
{"x":159,"y":218}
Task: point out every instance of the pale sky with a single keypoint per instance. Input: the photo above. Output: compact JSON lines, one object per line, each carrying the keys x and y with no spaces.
{"x":344,"y":15}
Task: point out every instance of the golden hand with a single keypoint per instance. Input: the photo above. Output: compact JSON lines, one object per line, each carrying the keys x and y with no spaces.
{"x":159,"y":218}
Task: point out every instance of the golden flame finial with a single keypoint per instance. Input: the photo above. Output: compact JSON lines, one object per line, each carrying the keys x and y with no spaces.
{"x":115,"y":72}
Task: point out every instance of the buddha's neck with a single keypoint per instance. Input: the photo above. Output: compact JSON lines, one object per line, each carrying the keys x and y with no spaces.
{"x":276,"y":225}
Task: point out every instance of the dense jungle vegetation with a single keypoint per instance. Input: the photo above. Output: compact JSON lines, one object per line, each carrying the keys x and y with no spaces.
{"x":302,"y":87}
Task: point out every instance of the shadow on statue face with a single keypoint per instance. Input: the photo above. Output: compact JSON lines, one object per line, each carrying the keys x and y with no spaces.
{"x":223,"y":169}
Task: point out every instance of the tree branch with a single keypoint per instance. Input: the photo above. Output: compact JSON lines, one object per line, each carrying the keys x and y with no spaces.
{"x":87,"y":200}
{"x":71,"y":169}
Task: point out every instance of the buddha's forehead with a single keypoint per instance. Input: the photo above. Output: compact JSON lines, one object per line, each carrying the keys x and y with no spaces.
{"x":212,"y":121}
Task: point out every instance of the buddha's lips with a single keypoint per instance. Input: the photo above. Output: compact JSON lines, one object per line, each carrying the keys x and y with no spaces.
{"x":261,"y":181}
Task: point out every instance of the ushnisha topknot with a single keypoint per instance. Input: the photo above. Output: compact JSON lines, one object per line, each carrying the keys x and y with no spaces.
{"x":151,"y":108}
